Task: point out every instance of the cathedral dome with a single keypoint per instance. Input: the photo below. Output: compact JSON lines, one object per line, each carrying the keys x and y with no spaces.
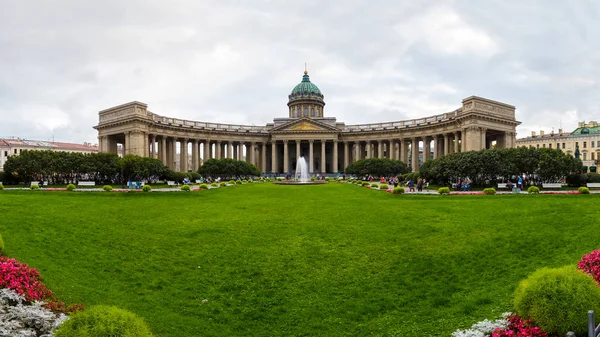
{"x":305,"y":88}
{"x":306,"y":100}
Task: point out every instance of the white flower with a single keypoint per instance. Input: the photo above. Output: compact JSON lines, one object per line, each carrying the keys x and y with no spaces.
{"x":484,"y":328}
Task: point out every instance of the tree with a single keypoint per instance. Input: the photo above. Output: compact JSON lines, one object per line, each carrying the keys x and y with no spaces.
{"x":379,"y":167}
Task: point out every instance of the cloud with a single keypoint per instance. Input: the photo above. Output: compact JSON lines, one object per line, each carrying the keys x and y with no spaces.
{"x":236,"y":62}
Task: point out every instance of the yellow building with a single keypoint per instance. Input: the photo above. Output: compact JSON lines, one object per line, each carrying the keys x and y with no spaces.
{"x":14,"y":147}
{"x":586,"y":137}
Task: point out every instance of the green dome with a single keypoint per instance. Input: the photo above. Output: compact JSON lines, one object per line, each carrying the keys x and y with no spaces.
{"x":306,"y":88}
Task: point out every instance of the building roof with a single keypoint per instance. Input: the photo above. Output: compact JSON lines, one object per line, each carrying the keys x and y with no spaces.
{"x":306,"y":88}
{"x":57,"y":146}
{"x":586,"y":131}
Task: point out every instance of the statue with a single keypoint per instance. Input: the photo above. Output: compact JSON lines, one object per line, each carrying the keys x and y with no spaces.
{"x":577,"y":153}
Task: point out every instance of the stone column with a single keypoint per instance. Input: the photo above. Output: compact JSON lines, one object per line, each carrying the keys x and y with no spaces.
{"x":218,"y":148}
{"x":264,"y":157}
{"x":229,"y":151}
{"x":346,"y":154}
{"x":483,"y":140}
{"x":323,"y":156}
{"x":163,"y":150}
{"x":415,"y":155}
{"x":456,"y":149}
{"x":173,"y":153}
{"x":195,"y":163}
{"x":446,"y":145}
{"x":183,"y":155}
{"x":286,"y":157}
{"x":356,"y":151}
{"x":397,"y":150}
{"x":311,"y":154}
{"x":241,"y":152}
{"x":402,"y":146}
{"x":152,"y":152}
{"x":379,"y":149}
{"x":335,"y":157}
{"x":145,"y":145}
{"x":463,"y":140}
{"x":426,"y":149}
{"x":252,"y":153}
{"x":298,"y":149}
{"x":368,"y":148}
{"x":206,"y":150}
{"x":274,"y":156}
{"x":436,"y":146}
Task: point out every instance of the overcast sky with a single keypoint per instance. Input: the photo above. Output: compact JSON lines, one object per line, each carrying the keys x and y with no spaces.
{"x":236,"y":61}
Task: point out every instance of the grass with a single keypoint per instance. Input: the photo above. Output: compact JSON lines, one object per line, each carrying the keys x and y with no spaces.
{"x":326,"y":260}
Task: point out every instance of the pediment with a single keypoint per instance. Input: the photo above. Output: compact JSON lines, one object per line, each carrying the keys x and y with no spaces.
{"x":305,"y":125}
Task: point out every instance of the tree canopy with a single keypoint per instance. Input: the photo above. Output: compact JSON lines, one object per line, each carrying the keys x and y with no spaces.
{"x":379,"y":167}
{"x":227,"y":168}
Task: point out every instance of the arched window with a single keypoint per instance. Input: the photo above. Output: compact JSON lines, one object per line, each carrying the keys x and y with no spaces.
{"x":312,"y":112}
{"x":298,"y":112}
{"x":305,"y":112}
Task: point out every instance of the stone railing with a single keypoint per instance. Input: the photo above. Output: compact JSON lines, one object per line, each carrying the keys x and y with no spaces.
{"x":205,"y":125}
{"x":403,"y":124}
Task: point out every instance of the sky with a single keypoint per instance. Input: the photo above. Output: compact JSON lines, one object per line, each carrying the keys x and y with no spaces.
{"x":224,"y":61}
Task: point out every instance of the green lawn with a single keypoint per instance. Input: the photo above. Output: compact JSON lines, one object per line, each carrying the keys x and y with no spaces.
{"x":328,"y":260}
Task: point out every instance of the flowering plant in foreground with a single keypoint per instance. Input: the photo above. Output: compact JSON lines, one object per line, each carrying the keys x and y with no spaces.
{"x":485,"y":327}
{"x":22,"y":279}
{"x":590,"y":264}
{"x":517,"y":327}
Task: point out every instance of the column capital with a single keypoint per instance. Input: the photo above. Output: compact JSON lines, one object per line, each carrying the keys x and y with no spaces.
{"x":368,"y":141}
{"x":285,"y":141}
{"x":335,"y":141}
{"x":311,"y":141}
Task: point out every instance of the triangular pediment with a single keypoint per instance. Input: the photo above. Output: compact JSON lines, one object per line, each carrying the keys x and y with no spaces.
{"x":305,"y":125}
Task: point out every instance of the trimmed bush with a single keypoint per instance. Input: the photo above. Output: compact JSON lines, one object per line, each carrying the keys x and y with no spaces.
{"x":232,"y":182}
{"x":533,"y":190}
{"x":584,"y":190}
{"x":398,"y":190}
{"x":71,"y":187}
{"x":239,"y":182}
{"x":358,"y":182}
{"x":244,"y":181}
{"x":185,"y":188}
{"x":374,"y":185}
{"x":313,"y":178}
{"x":558,"y":299}
{"x":214,"y":184}
{"x":104,"y":320}
{"x":34,"y":187}
{"x":223,"y":184}
{"x":365,"y":183}
{"x":489,"y":191}
{"x":203,"y":186}
{"x":146,"y":188}
{"x":327,"y":179}
{"x":443,"y":190}
{"x":1,"y":245}
{"x":1,"y":187}
{"x":384,"y":187}
{"x":107,"y":188}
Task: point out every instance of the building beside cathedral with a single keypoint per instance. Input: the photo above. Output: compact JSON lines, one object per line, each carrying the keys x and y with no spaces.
{"x":328,"y":145}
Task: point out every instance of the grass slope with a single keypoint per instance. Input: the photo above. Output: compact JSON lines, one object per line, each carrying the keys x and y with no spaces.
{"x":332,"y":260}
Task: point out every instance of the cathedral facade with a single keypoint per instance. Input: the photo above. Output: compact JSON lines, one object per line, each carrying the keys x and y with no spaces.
{"x":328,"y":145}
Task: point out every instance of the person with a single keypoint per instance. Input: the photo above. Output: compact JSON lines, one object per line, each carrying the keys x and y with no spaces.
{"x":370,"y":178}
{"x":382,"y":180}
{"x":411,"y":186}
{"x":420,"y":185}
{"x":396,"y":181}
{"x":520,"y":183}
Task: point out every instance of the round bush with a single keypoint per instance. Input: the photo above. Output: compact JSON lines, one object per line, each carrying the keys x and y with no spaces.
{"x":101,"y":321}
{"x":358,"y":182}
{"x":533,"y":190}
{"x":558,"y":299}
{"x":107,"y":188}
{"x":489,"y":191}
{"x":244,"y":181}
{"x":443,"y":190}
{"x":146,"y":188}
{"x":214,"y":184}
{"x":384,"y":187}
{"x":1,"y":187}
{"x":374,"y":185}
{"x":327,"y":179}
{"x":398,"y":190}
{"x":232,"y":182}
{"x":223,"y":184}
{"x":1,"y":244}
{"x":313,"y":178}
{"x":238,"y":182}
{"x":185,"y":188}
{"x":203,"y":187}
{"x":584,"y":190}
{"x":35,"y":187}
{"x":366,"y":183}
{"x":71,"y":187}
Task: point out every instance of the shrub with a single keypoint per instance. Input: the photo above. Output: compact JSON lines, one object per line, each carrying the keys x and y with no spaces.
{"x":584,"y":190}
{"x":223,"y":184}
{"x":195,"y":176}
{"x":104,"y":321}
{"x":1,"y":244}
{"x":203,"y":186}
{"x":593,"y":177}
{"x":358,"y":182}
{"x":489,"y":191}
{"x":1,"y":187}
{"x":366,"y":183}
{"x":214,"y":184}
{"x":71,"y":187}
{"x":384,"y":187}
{"x":146,"y":188}
{"x":238,"y":182}
{"x":244,"y":181}
{"x":24,"y":280}
{"x":590,"y":264}
{"x":107,"y":188}
{"x":313,"y":178}
{"x":34,"y":187}
{"x":533,"y":190}
{"x":185,"y":188}
{"x":374,"y":185}
{"x":398,"y":190}
{"x":576,"y":180}
{"x":558,"y":299}
{"x":232,"y":182}
{"x":327,"y":179}
{"x":443,"y":190}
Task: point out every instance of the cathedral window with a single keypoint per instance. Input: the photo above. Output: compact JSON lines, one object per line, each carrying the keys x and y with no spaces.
{"x":305,"y":112}
{"x":312,"y":112}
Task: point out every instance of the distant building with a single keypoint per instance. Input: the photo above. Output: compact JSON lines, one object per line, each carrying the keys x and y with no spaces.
{"x":586,"y":137}
{"x":14,"y":147}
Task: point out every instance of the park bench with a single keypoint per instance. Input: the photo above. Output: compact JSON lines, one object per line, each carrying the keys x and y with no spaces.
{"x":502,"y":185}
{"x":198,"y":181}
{"x":86,"y":183}
{"x":593,"y":185}
{"x":171,"y":183}
{"x":551,"y":185}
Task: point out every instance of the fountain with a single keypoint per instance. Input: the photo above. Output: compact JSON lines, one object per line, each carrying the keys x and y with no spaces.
{"x":301,"y":176}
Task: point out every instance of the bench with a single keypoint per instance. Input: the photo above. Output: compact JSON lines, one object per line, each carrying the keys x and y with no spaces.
{"x":171,"y":183}
{"x":86,"y":183}
{"x":502,"y":185}
{"x":198,"y":181}
{"x":593,"y":185}
{"x":551,"y":185}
